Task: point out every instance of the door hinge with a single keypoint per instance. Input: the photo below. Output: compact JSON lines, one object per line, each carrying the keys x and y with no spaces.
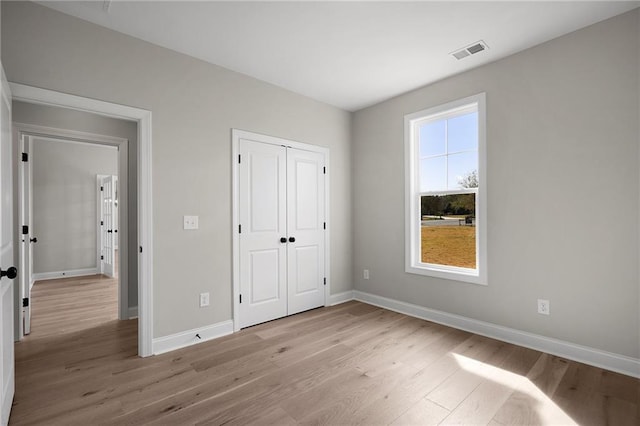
{"x":324,"y":225}
{"x":140,"y":249}
{"x":25,"y":302}
{"x":324,"y":170}
{"x":325,"y":280}
{"x":25,"y":157}
{"x":239,"y":159}
{"x":101,"y":257}
{"x":101,"y":222}
{"x":239,"y":229}
{"x":25,"y":229}
{"x":102,"y":188}
{"x":240,"y":298}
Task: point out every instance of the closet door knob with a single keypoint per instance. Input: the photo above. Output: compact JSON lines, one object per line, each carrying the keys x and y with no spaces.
{"x":33,"y":240}
{"x":292,"y":239}
{"x":283,"y":240}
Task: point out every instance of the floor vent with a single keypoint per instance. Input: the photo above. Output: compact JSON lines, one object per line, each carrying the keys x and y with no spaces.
{"x":472,"y":49}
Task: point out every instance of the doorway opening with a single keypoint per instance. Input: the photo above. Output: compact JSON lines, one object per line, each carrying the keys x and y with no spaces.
{"x":142,"y":239}
{"x":64,"y":219}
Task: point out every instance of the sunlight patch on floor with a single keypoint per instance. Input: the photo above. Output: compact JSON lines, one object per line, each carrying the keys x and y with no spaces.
{"x":546,"y":411}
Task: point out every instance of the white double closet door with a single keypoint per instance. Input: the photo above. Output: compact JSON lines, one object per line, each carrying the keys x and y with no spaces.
{"x":281,"y":232}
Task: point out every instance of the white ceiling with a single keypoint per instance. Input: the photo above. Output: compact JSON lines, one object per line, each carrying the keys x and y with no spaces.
{"x":347,"y":54}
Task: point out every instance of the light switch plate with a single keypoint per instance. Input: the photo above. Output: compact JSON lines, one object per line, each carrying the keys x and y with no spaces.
{"x":191,"y":222}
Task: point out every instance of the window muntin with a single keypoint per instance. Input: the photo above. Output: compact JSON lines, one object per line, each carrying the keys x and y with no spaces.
{"x":445,"y":185}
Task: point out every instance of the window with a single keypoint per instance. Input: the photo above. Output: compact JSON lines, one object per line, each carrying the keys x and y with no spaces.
{"x":445,"y":191}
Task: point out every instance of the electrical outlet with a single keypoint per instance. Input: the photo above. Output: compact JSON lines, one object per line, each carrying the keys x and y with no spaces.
{"x":365,"y":274}
{"x":543,"y":307}
{"x":190,"y":222}
{"x":204,"y":299}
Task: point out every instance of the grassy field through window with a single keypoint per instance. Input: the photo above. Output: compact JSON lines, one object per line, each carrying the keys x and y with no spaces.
{"x":449,"y":245}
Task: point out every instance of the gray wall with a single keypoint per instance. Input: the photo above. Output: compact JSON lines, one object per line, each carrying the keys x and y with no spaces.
{"x":563,"y":164}
{"x":195,"y":105}
{"x":563,"y":190}
{"x":67,"y":119}
{"x":64,"y":202}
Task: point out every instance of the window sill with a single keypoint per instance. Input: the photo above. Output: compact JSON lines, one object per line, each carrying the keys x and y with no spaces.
{"x":448,"y":274}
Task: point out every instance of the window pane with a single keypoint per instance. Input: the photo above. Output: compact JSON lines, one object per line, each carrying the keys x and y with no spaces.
{"x":448,"y":230}
{"x":432,"y":139}
{"x":433,"y":174}
{"x":463,"y":132}
{"x":461,"y":166}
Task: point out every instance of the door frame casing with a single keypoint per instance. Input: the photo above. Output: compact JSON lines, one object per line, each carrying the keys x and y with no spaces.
{"x":142,"y":117}
{"x":7,"y":289}
{"x":24,"y":145}
{"x":236,"y":135}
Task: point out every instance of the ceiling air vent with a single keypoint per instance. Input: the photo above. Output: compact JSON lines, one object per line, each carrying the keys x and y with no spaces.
{"x":472,"y":49}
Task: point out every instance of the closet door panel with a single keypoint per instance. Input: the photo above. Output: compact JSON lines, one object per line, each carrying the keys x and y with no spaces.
{"x":305,"y":225}
{"x":263,"y":257}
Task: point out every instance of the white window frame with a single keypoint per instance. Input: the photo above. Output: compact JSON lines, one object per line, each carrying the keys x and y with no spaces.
{"x":413,"y":261}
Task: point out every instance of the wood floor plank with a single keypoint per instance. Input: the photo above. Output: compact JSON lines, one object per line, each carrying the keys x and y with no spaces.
{"x":497,"y":386}
{"x":213,"y":406}
{"x":423,"y":412}
{"x":348,"y":364}
{"x":581,"y":395}
{"x":343,"y":406}
{"x":457,"y":387}
{"x":398,"y":399}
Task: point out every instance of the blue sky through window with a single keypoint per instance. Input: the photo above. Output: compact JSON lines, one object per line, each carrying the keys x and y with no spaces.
{"x":448,"y":152}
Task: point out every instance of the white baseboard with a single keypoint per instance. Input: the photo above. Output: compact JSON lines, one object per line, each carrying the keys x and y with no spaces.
{"x":65,"y":274}
{"x":187,"y":338}
{"x":133,"y":312}
{"x":587,"y":355}
{"x":336,"y":299}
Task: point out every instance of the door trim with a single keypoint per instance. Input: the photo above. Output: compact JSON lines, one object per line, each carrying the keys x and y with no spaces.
{"x":7,"y":292}
{"x":236,"y":135}
{"x":36,"y":95}
{"x":23,"y":145}
{"x":99,"y":241}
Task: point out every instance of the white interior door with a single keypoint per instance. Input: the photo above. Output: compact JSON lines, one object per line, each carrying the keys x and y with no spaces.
{"x":281,"y":216}
{"x":305,"y":228}
{"x":107,"y":225}
{"x":26,"y":244}
{"x":263,"y":252}
{"x":115,"y":213}
{"x":6,"y":255}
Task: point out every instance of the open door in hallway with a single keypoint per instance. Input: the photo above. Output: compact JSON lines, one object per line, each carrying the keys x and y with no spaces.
{"x":26,"y":235}
{"x":108,"y":224}
{"x":7,"y":271}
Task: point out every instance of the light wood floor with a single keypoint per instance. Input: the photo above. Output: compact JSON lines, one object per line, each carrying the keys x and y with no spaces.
{"x":348,"y":364}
